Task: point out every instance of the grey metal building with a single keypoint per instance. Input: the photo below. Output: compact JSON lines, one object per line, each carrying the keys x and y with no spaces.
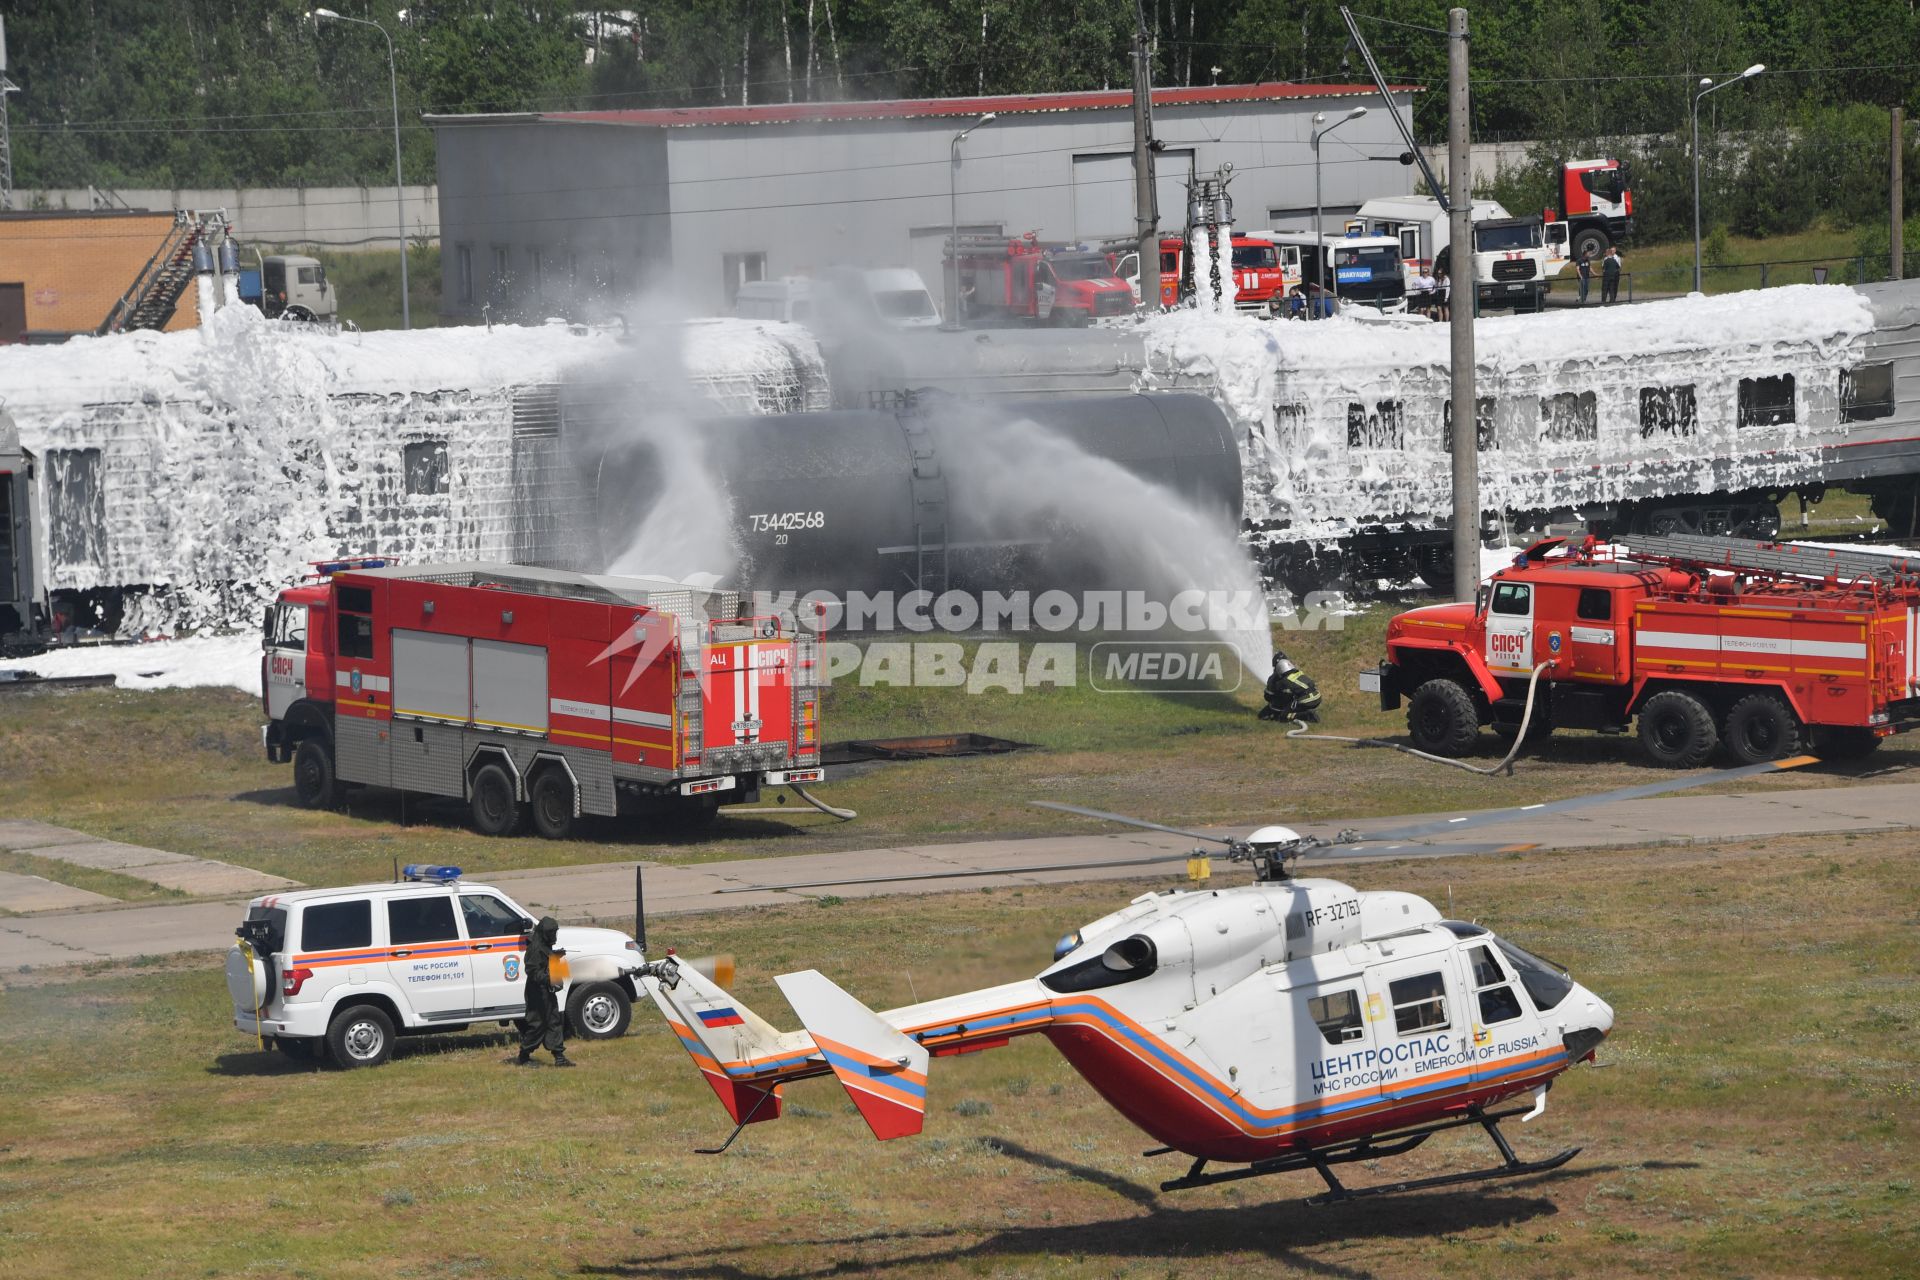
{"x":563,"y":212}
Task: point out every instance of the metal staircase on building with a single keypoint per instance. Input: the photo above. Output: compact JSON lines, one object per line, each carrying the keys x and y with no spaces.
{"x":155,"y":294}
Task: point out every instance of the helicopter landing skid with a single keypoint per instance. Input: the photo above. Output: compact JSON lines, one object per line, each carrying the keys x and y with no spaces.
{"x":1378,"y":1146}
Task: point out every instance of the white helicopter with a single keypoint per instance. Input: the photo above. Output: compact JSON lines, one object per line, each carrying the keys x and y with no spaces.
{"x":1284,"y":1025}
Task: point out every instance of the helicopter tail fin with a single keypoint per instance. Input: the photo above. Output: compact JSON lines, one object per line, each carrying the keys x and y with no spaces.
{"x":741,"y":1055}
{"x":883,"y":1072}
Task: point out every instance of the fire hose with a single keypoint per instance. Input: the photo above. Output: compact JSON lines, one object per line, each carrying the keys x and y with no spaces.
{"x":845,"y":815}
{"x":1505,"y":766}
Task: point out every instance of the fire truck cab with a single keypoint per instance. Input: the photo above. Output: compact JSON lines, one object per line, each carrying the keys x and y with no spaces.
{"x":1596,"y":203}
{"x":1024,"y":279}
{"x":1763,"y":648}
{"x":1262,"y":270}
{"x":535,"y":693}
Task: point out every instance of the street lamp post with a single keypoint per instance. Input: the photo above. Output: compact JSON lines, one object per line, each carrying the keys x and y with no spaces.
{"x":1707,"y":86}
{"x":953,"y":212}
{"x":1319,"y":231}
{"x":399,"y":186}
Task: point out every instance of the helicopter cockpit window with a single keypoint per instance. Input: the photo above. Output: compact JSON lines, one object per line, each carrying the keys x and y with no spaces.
{"x":1337,"y":1014}
{"x":1498,"y":1003}
{"x":1545,"y":981}
{"x":1419,"y":1003}
{"x":1127,"y":960}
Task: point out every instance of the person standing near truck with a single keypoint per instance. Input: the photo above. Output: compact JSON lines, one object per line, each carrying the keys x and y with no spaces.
{"x":1586,"y":275}
{"x":543,"y":1008}
{"x":1610,"y":276}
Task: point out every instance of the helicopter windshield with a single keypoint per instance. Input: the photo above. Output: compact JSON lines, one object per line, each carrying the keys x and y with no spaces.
{"x":1127,"y":960}
{"x":1545,"y":981}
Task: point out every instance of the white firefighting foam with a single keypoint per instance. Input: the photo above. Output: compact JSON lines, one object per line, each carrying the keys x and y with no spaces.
{"x":1342,"y":420}
{"x":208,"y":468}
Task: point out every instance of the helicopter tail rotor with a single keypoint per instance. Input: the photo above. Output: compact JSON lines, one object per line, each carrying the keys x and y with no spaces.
{"x":738,"y":1052}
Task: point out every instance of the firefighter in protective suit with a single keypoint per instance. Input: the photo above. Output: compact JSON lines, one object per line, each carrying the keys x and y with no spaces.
{"x":1291,"y":693}
{"x":543,"y":1007}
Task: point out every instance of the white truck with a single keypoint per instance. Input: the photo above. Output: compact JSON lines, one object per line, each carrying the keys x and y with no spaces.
{"x":1514,"y":259}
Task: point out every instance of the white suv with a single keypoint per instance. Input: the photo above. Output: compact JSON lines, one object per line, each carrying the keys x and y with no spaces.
{"x":346,"y":970}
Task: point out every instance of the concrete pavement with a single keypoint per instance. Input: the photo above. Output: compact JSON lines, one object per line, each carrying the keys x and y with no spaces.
{"x":605,"y":891}
{"x":202,"y":877}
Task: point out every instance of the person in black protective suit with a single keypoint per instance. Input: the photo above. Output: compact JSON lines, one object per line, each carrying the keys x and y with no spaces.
{"x":543,"y":1008}
{"x":1291,"y":693}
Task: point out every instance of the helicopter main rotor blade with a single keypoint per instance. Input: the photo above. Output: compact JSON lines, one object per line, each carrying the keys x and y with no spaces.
{"x":1132,"y":822}
{"x":968,"y":873}
{"x":1488,"y":817}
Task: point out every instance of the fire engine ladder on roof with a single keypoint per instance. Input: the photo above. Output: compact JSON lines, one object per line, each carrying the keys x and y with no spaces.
{"x":155,"y":294}
{"x":1785,"y":559}
{"x":929,"y":487}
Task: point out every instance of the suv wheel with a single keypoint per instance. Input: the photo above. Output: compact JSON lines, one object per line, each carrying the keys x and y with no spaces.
{"x":1442,"y":718}
{"x":599,"y":1011}
{"x":360,"y":1036}
{"x":496,"y":810}
{"x":313,"y":779}
{"x":551,"y":799}
{"x":1676,"y":730}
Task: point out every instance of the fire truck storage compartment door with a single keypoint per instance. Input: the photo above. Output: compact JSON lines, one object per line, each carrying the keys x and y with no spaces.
{"x":748,"y":698}
{"x":509,"y":686}
{"x":360,"y":751}
{"x":430,"y":676}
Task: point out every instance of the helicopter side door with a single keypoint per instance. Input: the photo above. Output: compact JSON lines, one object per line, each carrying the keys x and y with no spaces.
{"x":1335,"y":1055}
{"x":1495,"y":1020}
{"x":1414,"y":1010}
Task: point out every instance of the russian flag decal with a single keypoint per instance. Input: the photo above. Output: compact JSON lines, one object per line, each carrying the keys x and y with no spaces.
{"x":721,"y":1017}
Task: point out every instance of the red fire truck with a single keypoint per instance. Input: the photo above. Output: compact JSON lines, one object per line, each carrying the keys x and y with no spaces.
{"x":1026,"y":279}
{"x":1596,"y":203}
{"x":1762,"y":647}
{"x":535,"y":693}
{"x":1260,"y":270}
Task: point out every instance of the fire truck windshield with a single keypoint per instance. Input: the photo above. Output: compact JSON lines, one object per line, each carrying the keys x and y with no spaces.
{"x":1088,"y":268}
{"x":1519,"y":235}
{"x":1255,"y":256}
{"x":1382,"y":259}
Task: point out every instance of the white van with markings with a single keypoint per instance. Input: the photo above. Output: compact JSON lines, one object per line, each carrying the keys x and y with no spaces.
{"x":344,"y":972}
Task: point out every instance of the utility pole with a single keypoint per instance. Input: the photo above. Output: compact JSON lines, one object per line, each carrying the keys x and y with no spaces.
{"x":1466,"y":427}
{"x":1146,"y":214}
{"x":6,"y":140}
{"x":1897,"y":263}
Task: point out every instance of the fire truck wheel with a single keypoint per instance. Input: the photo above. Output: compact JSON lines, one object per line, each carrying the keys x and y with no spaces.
{"x":1761,"y":727}
{"x":1839,"y":742}
{"x":1442,"y":719}
{"x":1676,"y":730}
{"x":599,"y":1011}
{"x":1590,"y":240}
{"x":496,"y":810}
{"x":551,"y":799}
{"x":360,"y":1036}
{"x":313,"y":780}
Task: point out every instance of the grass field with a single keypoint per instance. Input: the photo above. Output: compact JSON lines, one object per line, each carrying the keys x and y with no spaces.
{"x":1668,"y":268}
{"x":1755,"y":1117}
{"x":184,"y":771}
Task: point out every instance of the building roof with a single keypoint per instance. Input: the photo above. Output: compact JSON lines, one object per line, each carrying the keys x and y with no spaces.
{"x":928,"y":108}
